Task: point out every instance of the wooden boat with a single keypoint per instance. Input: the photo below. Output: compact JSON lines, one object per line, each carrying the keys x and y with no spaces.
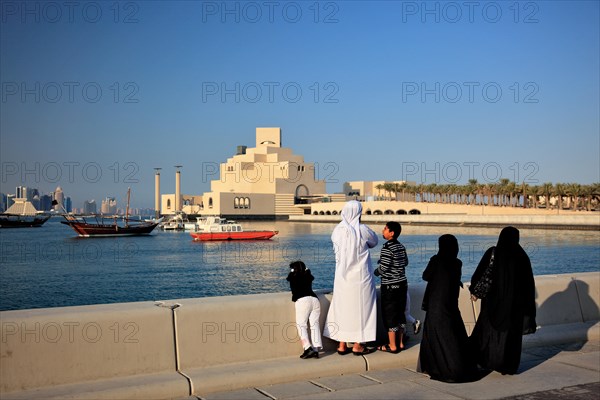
{"x":98,"y":225}
{"x":217,"y":228}
{"x":103,"y":226}
{"x":22,"y":214}
{"x":8,"y":220}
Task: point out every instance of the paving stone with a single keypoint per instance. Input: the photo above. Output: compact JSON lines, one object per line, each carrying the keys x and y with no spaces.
{"x":345,"y":382}
{"x":293,"y":389}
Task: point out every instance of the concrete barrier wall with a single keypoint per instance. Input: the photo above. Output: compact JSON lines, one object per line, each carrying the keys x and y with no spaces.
{"x":68,"y":345}
{"x":133,"y":344}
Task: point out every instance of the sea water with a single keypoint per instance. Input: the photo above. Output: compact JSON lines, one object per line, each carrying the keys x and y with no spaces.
{"x":51,"y":267}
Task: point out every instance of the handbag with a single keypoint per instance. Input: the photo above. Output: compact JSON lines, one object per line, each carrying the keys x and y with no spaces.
{"x":483,"y":286}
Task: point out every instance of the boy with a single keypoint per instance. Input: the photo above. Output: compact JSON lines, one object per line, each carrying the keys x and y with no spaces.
{"x":394,"y":286}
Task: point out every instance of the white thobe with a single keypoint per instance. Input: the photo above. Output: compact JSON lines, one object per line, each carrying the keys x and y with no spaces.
{"x":352,"y":315}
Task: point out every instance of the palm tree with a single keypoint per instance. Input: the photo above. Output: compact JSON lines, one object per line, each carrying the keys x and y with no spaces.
{"x":547,"y":190}
{"x":502,"y":191}
{"x":431,"y":189}
{"x":523,"y":191}
{"x":533,"y":192}
{"x":575,"y":191}
{"x":379,"y":188}
{"x":560,"y":190}
{"x":402,"y":186}
{"x":591,"y":192}
{"x":389,"y":189}
{"x":472,"y":190}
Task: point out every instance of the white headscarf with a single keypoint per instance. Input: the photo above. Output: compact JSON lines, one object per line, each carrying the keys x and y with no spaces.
{"x":351,"y":216}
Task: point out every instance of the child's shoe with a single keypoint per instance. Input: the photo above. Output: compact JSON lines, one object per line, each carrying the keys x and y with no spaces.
{"x":310,"y":353}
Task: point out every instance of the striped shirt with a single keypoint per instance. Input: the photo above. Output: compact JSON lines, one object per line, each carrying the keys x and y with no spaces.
{"x":392,"y":263}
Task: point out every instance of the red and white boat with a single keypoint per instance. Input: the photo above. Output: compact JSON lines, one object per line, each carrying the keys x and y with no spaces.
{"x":217,"y":228}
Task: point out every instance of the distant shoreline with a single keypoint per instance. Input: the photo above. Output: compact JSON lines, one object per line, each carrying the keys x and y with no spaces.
{"x":554,"y":222}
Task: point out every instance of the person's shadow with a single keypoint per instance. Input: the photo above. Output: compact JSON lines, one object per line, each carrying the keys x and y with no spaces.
{"x":557,"y":310}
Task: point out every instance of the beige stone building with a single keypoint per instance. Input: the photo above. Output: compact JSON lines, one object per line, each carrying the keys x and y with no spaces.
{"x":267,"y":180}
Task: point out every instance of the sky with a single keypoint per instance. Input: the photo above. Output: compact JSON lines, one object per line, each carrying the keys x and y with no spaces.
{"x":96,"y":94}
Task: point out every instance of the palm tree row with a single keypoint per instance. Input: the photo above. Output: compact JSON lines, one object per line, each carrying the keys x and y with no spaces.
{"x":504,"y":193}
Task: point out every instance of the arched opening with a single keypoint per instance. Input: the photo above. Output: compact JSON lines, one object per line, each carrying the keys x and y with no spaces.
{"x":401,"y":212}
{"x":210,"y":202}
{"x":388,"y":212}
{"x":301,"y":194}
{"x":247,"y":202}
{"x":414,"y":211}
{"x":377,"y":212}
{"x":168,"y":204}
{"x":368,"y":212}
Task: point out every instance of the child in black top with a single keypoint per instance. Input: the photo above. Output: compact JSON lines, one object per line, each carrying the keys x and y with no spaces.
{"x":394,"y":287}
{"x":308,"y":308}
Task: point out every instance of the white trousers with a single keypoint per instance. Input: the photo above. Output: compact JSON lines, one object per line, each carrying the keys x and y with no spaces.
{"x":308,"y":310}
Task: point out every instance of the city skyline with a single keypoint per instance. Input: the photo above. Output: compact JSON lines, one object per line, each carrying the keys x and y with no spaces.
{"x":42,"y":202}
{"x":96,"y":95}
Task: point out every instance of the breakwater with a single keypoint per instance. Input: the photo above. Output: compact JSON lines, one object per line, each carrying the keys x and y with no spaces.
{"x":177,"y":348}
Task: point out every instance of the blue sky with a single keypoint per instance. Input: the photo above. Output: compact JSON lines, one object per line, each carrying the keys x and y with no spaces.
{"x":96,"y":94}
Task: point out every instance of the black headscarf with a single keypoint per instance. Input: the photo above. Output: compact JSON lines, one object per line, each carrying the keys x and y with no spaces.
{"x":443,"y":273}
{"x":448,"y":247}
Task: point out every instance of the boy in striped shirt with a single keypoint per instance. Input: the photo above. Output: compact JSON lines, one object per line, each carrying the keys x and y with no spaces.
{"x":394,"y":286}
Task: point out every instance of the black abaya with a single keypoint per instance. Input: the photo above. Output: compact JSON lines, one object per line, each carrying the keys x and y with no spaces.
{"x":444,"y":353}
{"x":508,"y":310}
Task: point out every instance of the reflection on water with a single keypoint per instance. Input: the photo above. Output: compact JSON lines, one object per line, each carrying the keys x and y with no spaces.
{"x":49,"y":266}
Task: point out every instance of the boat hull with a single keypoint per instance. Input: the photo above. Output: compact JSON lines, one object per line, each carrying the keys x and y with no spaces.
{"x":245,"y":235}
{"x":22,"y":221}
{"x":106,"y":230}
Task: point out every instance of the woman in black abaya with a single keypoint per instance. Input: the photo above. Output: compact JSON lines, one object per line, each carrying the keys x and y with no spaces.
{"x":444,"y":349}
{"x":508,"y":308}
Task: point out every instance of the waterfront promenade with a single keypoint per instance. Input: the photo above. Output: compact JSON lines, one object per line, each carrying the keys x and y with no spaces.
{"x":569,"y":371}
{"x":247,"y":347}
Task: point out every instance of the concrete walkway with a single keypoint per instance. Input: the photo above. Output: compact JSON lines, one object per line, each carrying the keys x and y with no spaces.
{"x":566,"y":371}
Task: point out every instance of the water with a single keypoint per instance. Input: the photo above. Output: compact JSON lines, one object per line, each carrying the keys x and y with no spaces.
{"x":51,"y":267}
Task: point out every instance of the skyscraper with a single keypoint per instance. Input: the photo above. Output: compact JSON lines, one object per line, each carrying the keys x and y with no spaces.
{"x":45,"y":202}
{"x":23,"y":192}
{"x":89,"y":207}
{"x":59,"y":196}
{"x":109,"y":206}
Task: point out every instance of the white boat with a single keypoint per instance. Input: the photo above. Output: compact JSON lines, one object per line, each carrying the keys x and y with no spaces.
{"x":217,"y":228}
{"x":174,"y":223}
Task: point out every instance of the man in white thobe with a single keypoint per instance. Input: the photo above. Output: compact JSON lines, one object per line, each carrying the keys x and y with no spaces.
{"x":352,"y":315}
